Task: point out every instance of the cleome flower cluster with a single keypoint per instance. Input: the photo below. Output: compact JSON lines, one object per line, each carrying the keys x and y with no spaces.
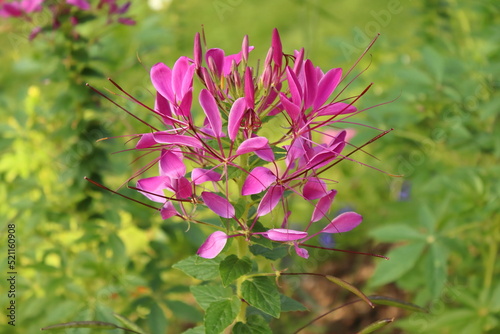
{"x":259,"y":140}
{"x":61,"y":11}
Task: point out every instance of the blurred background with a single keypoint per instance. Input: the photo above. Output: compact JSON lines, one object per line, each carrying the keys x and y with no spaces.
{"x":86,"y":254}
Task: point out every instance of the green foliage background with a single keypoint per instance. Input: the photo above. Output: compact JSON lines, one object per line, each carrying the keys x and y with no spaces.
{"x":84,"y":254}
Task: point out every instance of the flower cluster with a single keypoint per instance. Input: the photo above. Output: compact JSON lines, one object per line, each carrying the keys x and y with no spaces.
{"x":70,"y":10}
{"x":259,"y":140}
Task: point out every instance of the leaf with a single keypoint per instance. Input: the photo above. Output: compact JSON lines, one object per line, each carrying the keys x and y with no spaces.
{"x":402,"y":259}
{"x":221,"y":314}
{"x":348,"y":286}
{"x":87,"y":324}
{"x":255,"y":325}
{"x":129,"y":323}
{"x":271,"y":254}
{"x":262,"y":293}
{"x":184,"y":311}
{"x":437,"y":268}
{"x":396,"y":233}
{"x":199,"y":268}
{"x":232,"y":268}
{"x":381,"y":300}
{"x":376,"y":325}
{"x":156,"y":319}
{"x":195,"y":330}
{"x":290,"y":305}
{"x":208,"y":294}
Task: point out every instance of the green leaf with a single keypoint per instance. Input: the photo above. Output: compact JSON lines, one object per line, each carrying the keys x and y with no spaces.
{"x":255,"y":325}
{"x":348,"y":286}
{"x":195,"y":330}
{"x":290,"y":305}
{"x":401,"y":260}
{"x":437,"y":268}
{"x":232,"y":268}
{"x":376,"y":325}
{"x":129,"y":323}
{"x":271,"y":254}
{"x":396,"y":233}
{"x":199,"y":268}
{"x":87,"y":324}
{"x":184,"y":311}
{"x":262,"y":293}
{"x":156,"y":319}
{"x":208,"y":294}
{"x":381,"y":300}
{"x":221,"y":314}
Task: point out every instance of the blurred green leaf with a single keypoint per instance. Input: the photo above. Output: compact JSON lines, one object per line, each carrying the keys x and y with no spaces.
{"x":200,"y":268}
{"x":376,"y":326}
{"x":262,"y":293}
{"x":290,"y":305}
{"x":255,"y":324}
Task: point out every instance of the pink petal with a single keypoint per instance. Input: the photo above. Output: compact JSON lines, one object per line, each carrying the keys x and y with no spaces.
{"x":185,"y":105}
{"x":82,"y":4}
{"x":310,"y":85}
{"x":161,"y":77}
{"x":277,"y":48}
{"x":207,"y":102}
{"x":257,"y":181}
{"x":198,"y":54}
{"x":323,"y":206}
{"x":199,"y":176}
{"x":218,"y":204}
{"x":235,"y":115}
{"x":270,"y":200}
{"x":314,"y":189}
{"x":249,"y":88}
{"x":284,"y":234}
{"x":213,"y":245}
{"x":301,"y":251}
{"x":294,"y":86}
{"x":179,"y":71}
{"x":228,"y":61}
{"x":343,"y":223}
{"x":163,"y":137}
{"x":326,"y":86}
{"x":183,"y":188}
{"x":292,"y":109}
{"x":168,"y":210}
{"x":162,"y":106}
{"x":171,"y":165}
{"x":299,"y":60}
{"x":153,"y":187}
{"x":259,"y":145}
{"x":215,"y":60}
{"x":337,"y":108}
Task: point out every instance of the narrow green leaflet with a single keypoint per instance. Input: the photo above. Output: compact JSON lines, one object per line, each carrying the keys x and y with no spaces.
{"x":402,"y":259}
{"x":376,"y":325}
{"x":87,"y":324}
{"x":208,"y":294}
{"x":381,"y":300}
{"x":396,"y":233}
{"x":438,"y":257}
{"x":262,"y":293}
{"x":156,"y":319}
{"x":290,"y":305}
{"x":232,"y":268}
{"x":198,"y":267}
{"x":221,"y":314}
{"x":348,"y":286}
{"x":129,"y":323}
{"x":255,"y":325}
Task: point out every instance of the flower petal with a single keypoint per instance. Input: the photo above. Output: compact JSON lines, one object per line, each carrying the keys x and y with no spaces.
{"x":270,"y":200}
{"x":218,"y":204}
{"x":161,"y":77}
{"x":259,"y":145}
{"x":168,"y":210}
{"x":323,"y":206}
{"x":338,"y":108}
{"x":207,"y":102}
{"x":200,"y":175}
{"x":257,"y":181}
{"x":326,"y":86}
{"x":171,"y":165}
{"x":153,"y":187}
{"x":314,"y":188}
{"x":163,"y":137}
{"x":213,"y":245}
{"x":284,"y":234}
{"x":343,"y":223}
{"x":301,"y":251}
{"x":235,"y":116}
